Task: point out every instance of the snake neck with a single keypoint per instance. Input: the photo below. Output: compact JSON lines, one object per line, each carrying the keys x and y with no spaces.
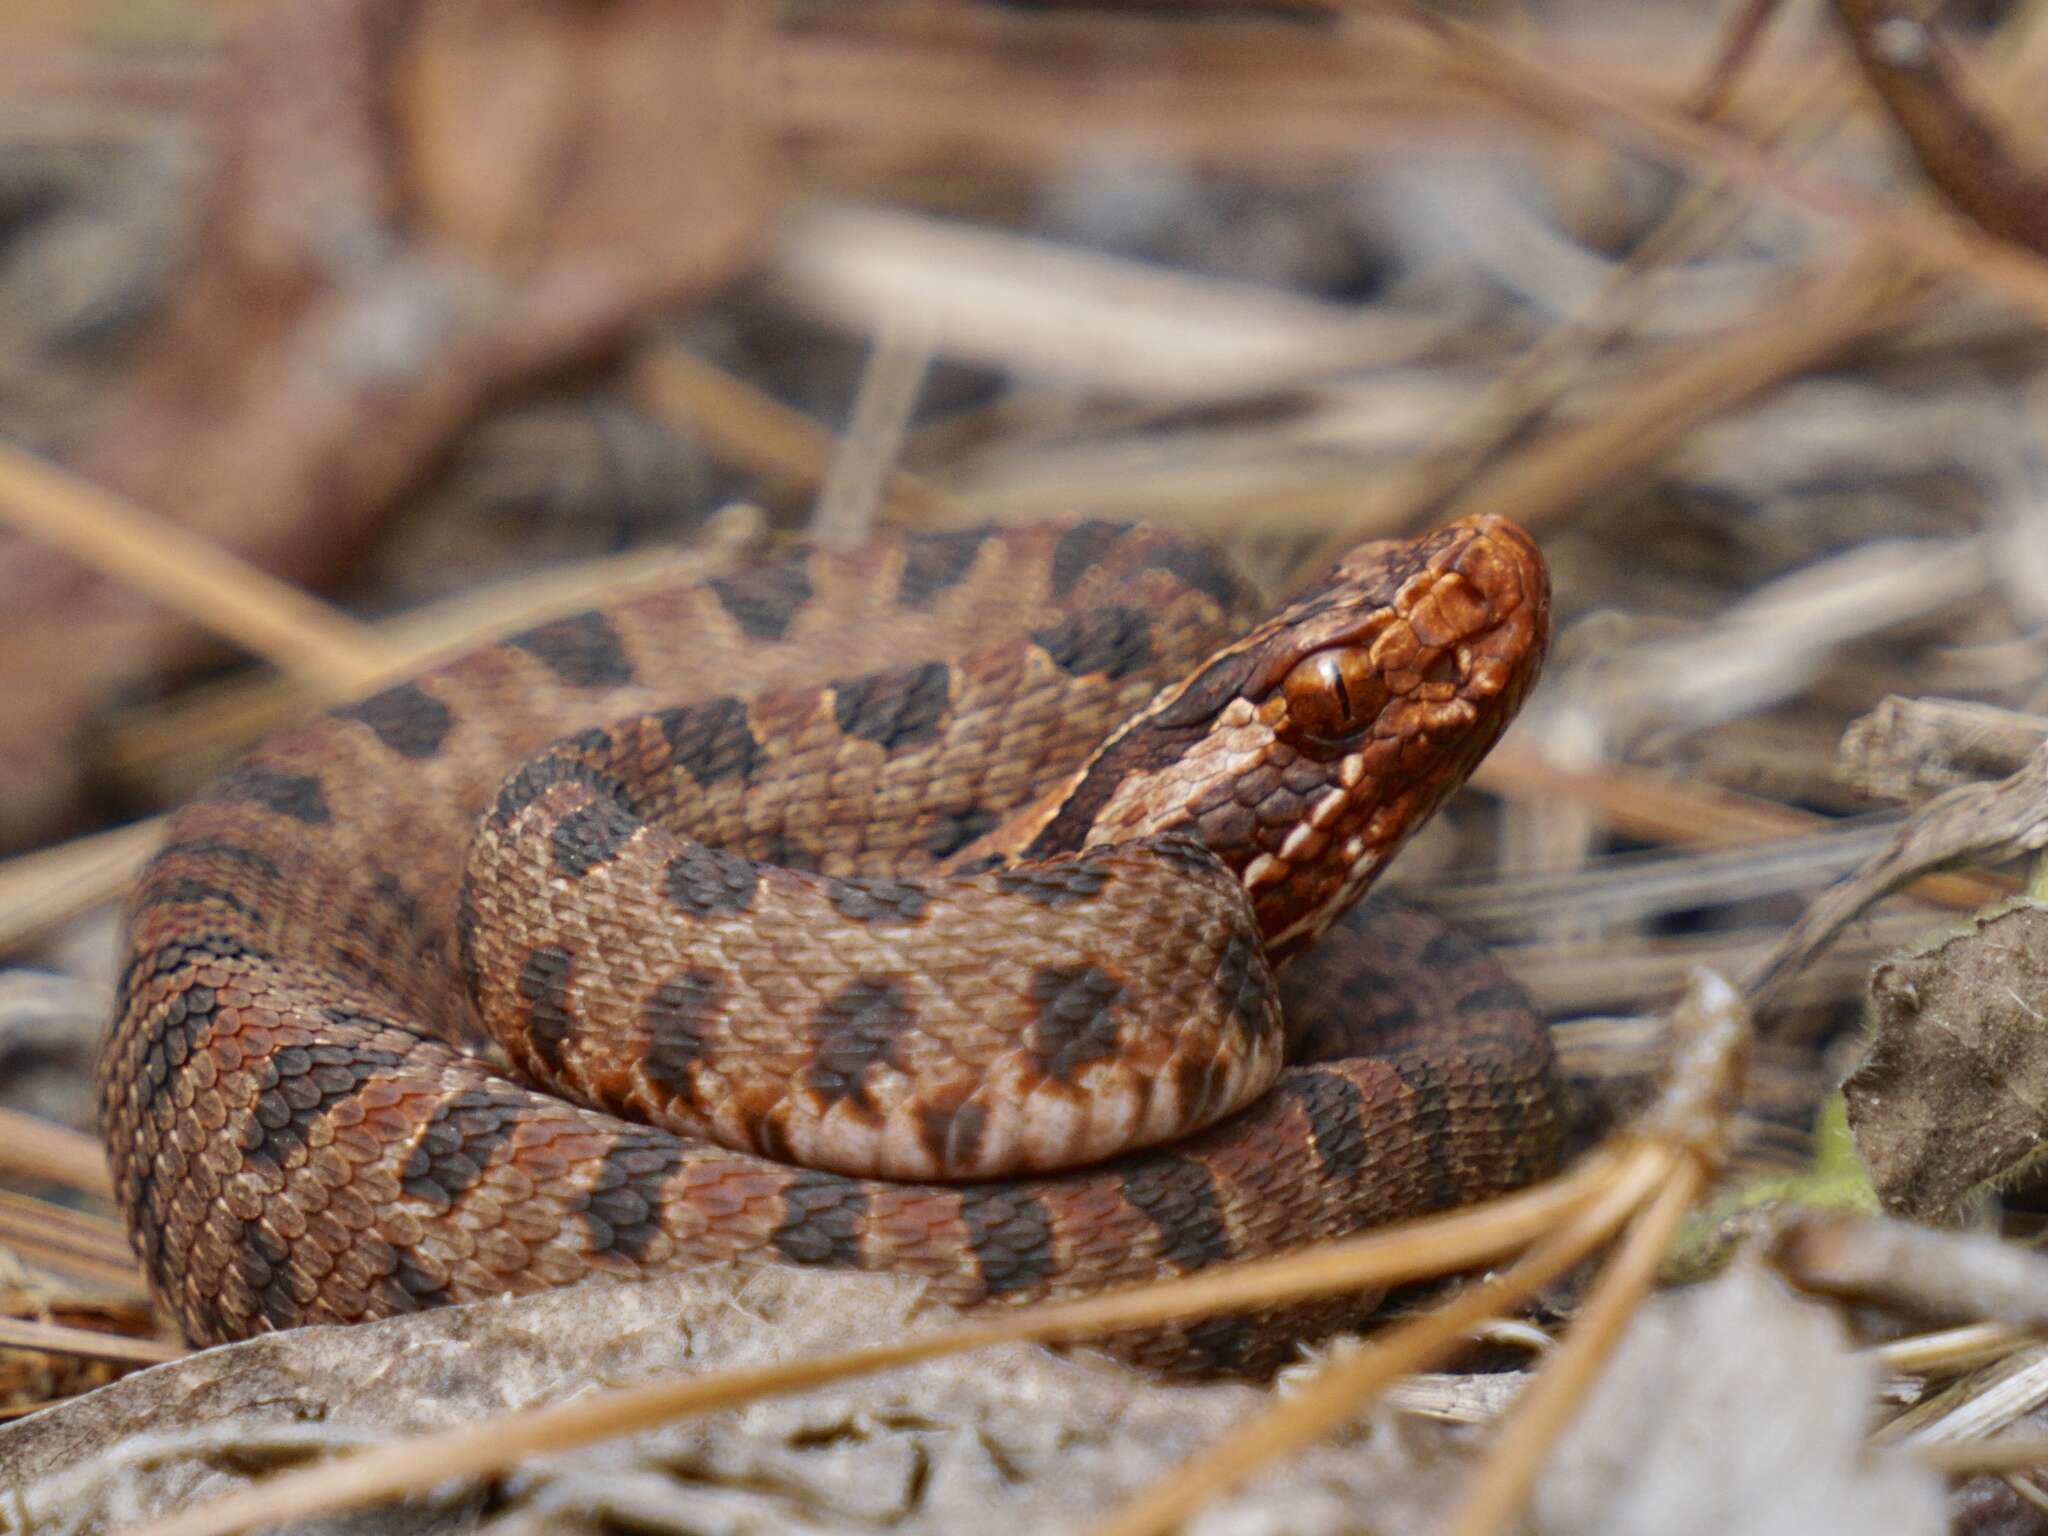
{"x":1304,"y":754}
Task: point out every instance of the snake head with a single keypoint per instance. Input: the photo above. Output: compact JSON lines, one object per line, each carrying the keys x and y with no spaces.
{"x":1305,"y":754}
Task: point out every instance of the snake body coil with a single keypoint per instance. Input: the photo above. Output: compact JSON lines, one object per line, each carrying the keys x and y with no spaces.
{"x":957,"y":857}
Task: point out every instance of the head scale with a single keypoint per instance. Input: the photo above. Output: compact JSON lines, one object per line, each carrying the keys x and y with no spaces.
{"x":1306,"y":753}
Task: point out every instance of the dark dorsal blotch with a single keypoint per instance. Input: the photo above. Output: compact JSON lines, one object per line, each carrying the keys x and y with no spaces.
{"x":406,"y":718}
{"x":622,"y":1208}
{"x":160,"y":892}
{"x":878,"y":901}
{"x":680,"y":1018}
{"x":1178,"y":1196}
{"x":954,"y":830}
{"x":1010,"y":1233}
{"x":216,"y":849}
{"x":712,"y":741}
{"x":896,"y":708}
{"x":1110,"y":642}
{"x":1058,"y":886}
{"x":935,"y":562}
{"x":859,"y":1027}
{"x":456,"y":1146}
{"x":1076,"y":1021}
{"x":764,"y":599}
{"x":583,"y":650}
{"x":709,"y":882}
{"x":591,"y":835}
{"x":544,"y":987}
{"x":1335,"y":1111}
{"x":1244,"y":981}
{"x":297,"y":795}
{"x":823,"y":1214}
{"x":1203,"y":569}
{"x":1080,"y":549}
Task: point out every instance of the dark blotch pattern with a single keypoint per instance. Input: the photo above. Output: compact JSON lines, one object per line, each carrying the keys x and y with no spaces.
{"x":456,"y":1145}
{"x":1335,"y":1111}
{"x":1076,"y":1021}
{"x":954,"y":830}
{"x":407,"y":719}
{"x":1446,"y":950}
{"x":589,"y":836}
{"x":896,"y":708}
{"x":185,"y":888}
{"x":534,"y":779}
{"x":712,"y":741}
{"x":933,"y":562}
{"x":953,"y":1136}
{"x":1429,"y":1109}
{"x":300,"y":1083}
{"x":1114,"y":642}
{"x":709,"y":882}
{"x":878,"y":901}
{"x":262,"y":1261}
{"x":1203,"y":569}
{"x":218,"y":848}
{"x":391,"y":891}
{"x":1190,"y":855}
{"x":544,"y":984}
{"x":622,"y":1211}
{"x":678,"y":1018}
{"x":1501,"y":996}
{"x":296,"y":795}
{"x":412,"y":1286}
{"x":822,"y":1217}
{"x":1010,"y":1235}
{"x":1245,"y":983}
{"x":1059,"y":885}
{"x":764,"y":599}
{"x":583,"y":650}
{"x":465,"y":939}
{"x":1226,"y":1343}
{"x":857,"y":1028}
{"x":1079,"y":550}
{"x":1177,"y":1195}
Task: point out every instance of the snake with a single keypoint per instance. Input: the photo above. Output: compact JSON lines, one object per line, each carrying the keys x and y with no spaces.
{"x":981,"y":905}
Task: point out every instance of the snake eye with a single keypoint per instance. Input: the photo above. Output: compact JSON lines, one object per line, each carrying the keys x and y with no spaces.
{"x":1330,"y":696}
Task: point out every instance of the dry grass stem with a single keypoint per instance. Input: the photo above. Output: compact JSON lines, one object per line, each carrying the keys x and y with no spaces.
{"x":866,"y":455}
{"x":1647,"y":805}
{"x":1967,"y":1458}
{"x":34,"y":1148}
{"x":190,"y":575}
{"x":41,"y":891}
{"x":750,"y":428}
{"x":89,"y":1247}
{"x":86,"y":1343}
{"x":1346,"y":1387}
{"x":1950,"y":1350}
{"x":1470,"y":53}
{"x":1546,"y":1406}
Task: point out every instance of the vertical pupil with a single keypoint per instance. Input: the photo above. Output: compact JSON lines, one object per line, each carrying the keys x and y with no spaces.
{"x":1335,"y":674}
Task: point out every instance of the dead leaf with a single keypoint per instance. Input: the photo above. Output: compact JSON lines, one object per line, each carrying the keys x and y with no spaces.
{"x":1732,"y":1407}
{"x":1016,"y":1437}
{"x":1953,"y":1094}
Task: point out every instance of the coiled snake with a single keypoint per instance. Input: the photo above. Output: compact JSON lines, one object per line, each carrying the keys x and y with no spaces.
{"x":1003,"y":895}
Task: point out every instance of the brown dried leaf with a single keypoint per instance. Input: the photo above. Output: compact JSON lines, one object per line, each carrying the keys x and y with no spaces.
{"x":1953,"y":1094}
